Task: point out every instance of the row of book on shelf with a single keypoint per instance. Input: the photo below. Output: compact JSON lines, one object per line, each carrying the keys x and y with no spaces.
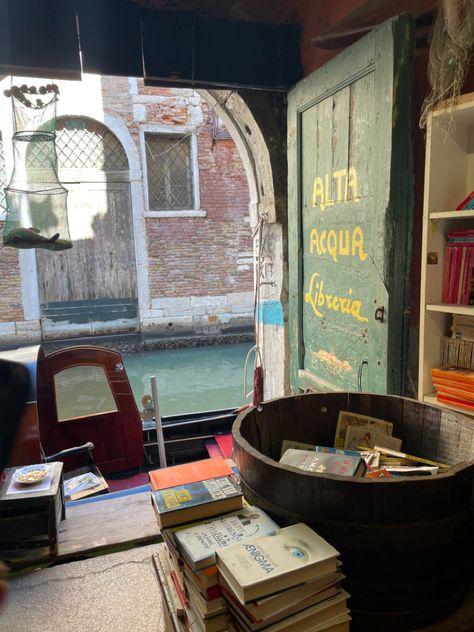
{"x":458,"y":282}
{"x":453,"y":380}
{"x":226,"y":565}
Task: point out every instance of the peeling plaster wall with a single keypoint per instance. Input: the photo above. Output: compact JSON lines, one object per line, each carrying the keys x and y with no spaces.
{"x":257,"y":122}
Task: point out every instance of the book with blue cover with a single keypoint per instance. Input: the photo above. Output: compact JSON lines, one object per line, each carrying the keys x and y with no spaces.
{"x":192,"y":501}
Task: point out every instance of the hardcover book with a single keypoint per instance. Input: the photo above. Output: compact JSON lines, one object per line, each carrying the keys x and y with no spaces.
{"x":189,"y":473}
{"x":265,"y":565}
{"x":199,"y":543}
{"x":320,"y":616}
{"x":184,"y":503}
{"x":324,"y":462}
{"x":281,"y":602}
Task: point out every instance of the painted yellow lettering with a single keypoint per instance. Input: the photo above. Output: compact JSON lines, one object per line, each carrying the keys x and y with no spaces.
{"x":332,"y":244}
{"x":322,"y":242}
{"x":329,"y":300}
{"x":318,"y":193}
{"x":352,"y":184}
{"x":343,"y":302}
{"x":358,"y":243}
{"x":309,"y":298}
{"x":344,"y":247}
{"x":321,"y":295}
{"x":339,"y":175}
{"x":335,"y":304}
{"x":328,"y":199}
{"x":314,"y":242}
{"x":356,"y":305}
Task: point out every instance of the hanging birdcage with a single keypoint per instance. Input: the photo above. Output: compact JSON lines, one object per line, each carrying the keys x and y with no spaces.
{"x":36,"y":202}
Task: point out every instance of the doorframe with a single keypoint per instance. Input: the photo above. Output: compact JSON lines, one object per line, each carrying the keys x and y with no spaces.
{"x":28,"y":267}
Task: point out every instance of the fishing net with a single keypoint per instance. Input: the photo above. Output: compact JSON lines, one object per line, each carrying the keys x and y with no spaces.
{"x":450,"y":53}
{"x":36,"y":202}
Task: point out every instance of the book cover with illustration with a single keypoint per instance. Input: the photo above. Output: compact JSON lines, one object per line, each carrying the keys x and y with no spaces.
{"x":197,"y":500}
{"x":347,"y":419}
{"x":260,"y":566}
{"x":324,"y":462}
{"x":189,"y":473}
{"x":362,"y":437}
{"x":200,"y":542}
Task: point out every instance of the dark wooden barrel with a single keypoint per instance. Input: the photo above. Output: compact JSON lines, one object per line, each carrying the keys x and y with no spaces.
{"x":406,"y":545}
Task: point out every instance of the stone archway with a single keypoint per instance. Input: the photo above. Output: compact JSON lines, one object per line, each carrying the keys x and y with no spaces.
{"x":257,"y":124}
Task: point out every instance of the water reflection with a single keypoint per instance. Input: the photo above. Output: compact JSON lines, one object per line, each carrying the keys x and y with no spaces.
{"x":190,"y":379}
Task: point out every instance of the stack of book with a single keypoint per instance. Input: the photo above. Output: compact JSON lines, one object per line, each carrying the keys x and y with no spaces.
{"x":458,"y":349}
{"x":458,"y":266}
{"x":199,"y":507}
{"x":287,"y":581}
{"x":193,"y":491}
{"x":190,"y":552}
{"x":454,"y":386}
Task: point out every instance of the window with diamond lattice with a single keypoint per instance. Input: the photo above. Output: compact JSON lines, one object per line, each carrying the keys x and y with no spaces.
{"x":83,"y":143}
{"x":169,"y":172}
{"x":3,"y":175}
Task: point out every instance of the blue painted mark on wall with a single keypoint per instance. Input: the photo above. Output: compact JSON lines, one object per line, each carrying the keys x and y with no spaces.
{"x":270,"y":313}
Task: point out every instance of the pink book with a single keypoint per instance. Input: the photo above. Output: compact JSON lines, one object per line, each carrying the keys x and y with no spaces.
{"x":447,"y":263}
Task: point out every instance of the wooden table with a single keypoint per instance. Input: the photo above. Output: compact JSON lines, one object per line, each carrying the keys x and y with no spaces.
{"x":30,"y":519}
{"x":105,"y":525}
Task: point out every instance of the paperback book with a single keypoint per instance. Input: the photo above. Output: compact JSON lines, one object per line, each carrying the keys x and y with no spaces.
{"x":324,"y":462}
{"x":268,"y":564}
{"x":198,"y":543}
{"x":189,"y":473}
{"x":184,"y":503}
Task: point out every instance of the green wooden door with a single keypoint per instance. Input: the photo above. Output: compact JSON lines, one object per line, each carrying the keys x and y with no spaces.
{"x":350,"y":215}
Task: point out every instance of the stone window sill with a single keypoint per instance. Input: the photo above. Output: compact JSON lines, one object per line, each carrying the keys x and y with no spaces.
{"x":194,"y":213}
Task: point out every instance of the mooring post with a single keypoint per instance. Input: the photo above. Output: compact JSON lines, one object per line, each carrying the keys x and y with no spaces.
{"x":159,"y":430}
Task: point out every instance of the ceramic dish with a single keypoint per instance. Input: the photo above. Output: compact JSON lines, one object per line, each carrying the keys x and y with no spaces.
{"x":31,"y":474}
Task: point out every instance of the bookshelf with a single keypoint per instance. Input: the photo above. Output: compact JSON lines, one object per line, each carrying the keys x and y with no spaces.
{"x":449,"y":178}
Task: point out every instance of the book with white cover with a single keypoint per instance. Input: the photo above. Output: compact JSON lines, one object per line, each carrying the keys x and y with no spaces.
{"x":199,"y":543}
{"x":262,"y":566}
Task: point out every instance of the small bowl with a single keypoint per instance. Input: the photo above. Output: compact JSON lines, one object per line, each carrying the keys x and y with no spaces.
{"x":31,"y":474}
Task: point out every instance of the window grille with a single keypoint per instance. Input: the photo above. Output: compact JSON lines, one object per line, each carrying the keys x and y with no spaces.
{"x":3,"y":175}
{"x":169,"y":172}
{"x":83,"y":143}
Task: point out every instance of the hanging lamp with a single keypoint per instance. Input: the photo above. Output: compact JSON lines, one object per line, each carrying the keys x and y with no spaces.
{"x":36,"y":202}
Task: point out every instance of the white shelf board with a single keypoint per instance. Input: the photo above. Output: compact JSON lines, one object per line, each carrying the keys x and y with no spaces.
{"x":431,"y":399}
{"x":451,"y":215}
{"x":447,"y":308}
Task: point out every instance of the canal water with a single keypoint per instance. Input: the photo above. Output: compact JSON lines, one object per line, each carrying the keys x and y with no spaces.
{"x":192,"y":379}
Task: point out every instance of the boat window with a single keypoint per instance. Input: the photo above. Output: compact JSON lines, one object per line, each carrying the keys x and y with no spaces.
{"x":82,"y":391}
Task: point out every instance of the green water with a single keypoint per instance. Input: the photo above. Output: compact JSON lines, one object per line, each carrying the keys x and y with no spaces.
{"x":191,"y":379}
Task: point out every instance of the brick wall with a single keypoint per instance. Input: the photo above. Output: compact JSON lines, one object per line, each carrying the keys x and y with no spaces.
{"x":196,"y":256}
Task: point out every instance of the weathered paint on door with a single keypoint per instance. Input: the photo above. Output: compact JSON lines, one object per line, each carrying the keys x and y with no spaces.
{"x":350,"y":209}
{"x":91,"y":289}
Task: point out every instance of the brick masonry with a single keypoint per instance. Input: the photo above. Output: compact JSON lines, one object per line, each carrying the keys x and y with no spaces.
{"x":200,"y":269}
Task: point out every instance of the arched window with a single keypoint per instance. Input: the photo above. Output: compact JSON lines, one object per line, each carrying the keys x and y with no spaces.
{"x":82,"y":143}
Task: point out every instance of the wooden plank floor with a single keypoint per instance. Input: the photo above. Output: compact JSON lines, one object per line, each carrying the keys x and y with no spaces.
{"x":106,"y":524}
